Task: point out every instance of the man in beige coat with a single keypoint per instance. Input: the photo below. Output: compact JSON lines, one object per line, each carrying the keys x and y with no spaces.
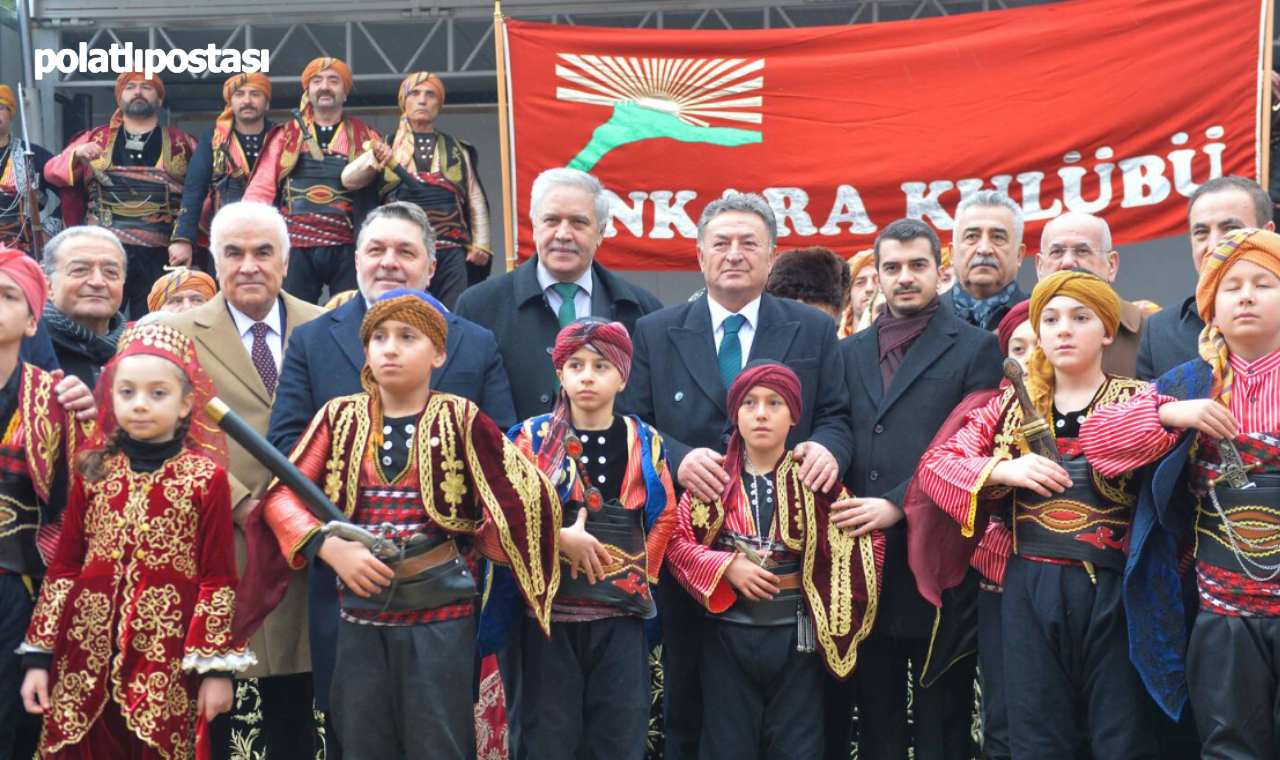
{"x":240,"y":338}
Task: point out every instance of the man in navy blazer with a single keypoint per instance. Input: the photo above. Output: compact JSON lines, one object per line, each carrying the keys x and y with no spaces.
{"x":685,"y":358}
{"x":395,"y":249}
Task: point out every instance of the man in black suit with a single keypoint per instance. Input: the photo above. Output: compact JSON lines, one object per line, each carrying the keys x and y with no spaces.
{"x":905,"y":374}
{"x":986,"y":251}
{"x":685,"y":358}
{"x":525,"y":309}
{"x":395,"y":249}
{"x":1215,"y":208}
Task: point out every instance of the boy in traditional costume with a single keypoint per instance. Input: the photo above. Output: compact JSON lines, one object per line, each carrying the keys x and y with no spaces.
{"x":433,"y":476}
{"x":1017,"y":456}
{"x":776,"y":581}
{"x":587,"y":688}
{"x":1213,"y":424}
{"x":131,"y":640}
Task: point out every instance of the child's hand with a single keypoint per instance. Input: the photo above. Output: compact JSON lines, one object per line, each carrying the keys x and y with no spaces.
{"x":35,"y":691}
{"x":583,"y":550}
{"x":751,"y":580}
{"x":1205,"y":415}
{"x":362,"y":572}
{"x":215,"y":697}
{"x":1031,"y":471}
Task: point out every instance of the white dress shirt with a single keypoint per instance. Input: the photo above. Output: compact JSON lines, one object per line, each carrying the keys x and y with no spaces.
{"x":275,"y":334}
{"x":746,"y":334}
{"x":581,"y":301}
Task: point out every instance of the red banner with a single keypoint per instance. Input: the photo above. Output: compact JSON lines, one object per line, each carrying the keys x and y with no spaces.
{"x":1112,"y":107}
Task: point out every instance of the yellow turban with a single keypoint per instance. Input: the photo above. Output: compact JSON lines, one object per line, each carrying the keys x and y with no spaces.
{"x":860,"y":260}
{"x":7,"y":99}
{"x":946,"y":257}
{"x":402,"y":145}
{"x":315,"y":67}
{"x":179,"y":280}
{"x":1088,"y":289}
{"x":1260,"y":247}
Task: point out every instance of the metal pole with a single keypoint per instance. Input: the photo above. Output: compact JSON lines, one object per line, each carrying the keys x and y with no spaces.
{"x":30,"y":95}
{"x":504,"y":136}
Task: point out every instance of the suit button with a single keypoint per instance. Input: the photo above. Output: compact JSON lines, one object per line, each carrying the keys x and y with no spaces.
{"x":550,"y":350}
{"x":725,"y":439}
{"x":546,"y":397}
{"x":878,"y":428}
{"x":874,"y":475}
{"x":679,"y":395}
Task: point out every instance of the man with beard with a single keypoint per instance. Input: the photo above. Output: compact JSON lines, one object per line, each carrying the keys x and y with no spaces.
{"x":223,"y":162}
{"x":986,"y":249}
{"x":905,"y":373}
{"x":301,"y":171}
{"x":132,"y":171}
{"x":396,"y":249}
{"x":447,"y":186}
{"x":15,"y":227}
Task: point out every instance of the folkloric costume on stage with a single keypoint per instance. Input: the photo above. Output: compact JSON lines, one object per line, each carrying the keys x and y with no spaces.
{"x":448,"y":190}
{"x":758,"y":669}
{"x":322,"y":215}
{"x":597,"y":653}
{"x":177,"y":281}
{"x":1218,"y":501}
{"x":147,"y":174}
{"x":224,"y":161}
{"x":137,"y":603}
{"x":451,"y":485}
{"x":39,"y":440}
{"x":15,"y":228}
{"x":1069,"y":556}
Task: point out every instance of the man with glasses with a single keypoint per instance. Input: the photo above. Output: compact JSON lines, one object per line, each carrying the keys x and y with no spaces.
{"x":1083,"y":241}
{"x":86,"y":270}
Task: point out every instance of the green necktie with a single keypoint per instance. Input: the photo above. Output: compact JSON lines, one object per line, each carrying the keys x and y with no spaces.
{"x":730,"y":357}
{"x":567,"y":292}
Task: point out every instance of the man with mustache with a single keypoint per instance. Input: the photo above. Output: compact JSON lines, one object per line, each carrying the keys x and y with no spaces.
{"x":447,"y":186}
{"x":224,"y":161}
{"x":396,"y":249}
{"x":146,"y":166}
{"x":904,"y":373}
{"x":301,"y":171}
{"x":986,"y":249}
{"x":240,"y":337}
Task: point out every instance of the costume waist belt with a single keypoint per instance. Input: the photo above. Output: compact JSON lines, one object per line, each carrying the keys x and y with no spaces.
{"x":228,"y":190}
{"x":1089,"y":522}
{"x":431,"y":573}
{"x":19,"y":521}
{"x":1249,"y":537}
{"x":141,"y":199}
{"x":783,"y":608}
{"x":625,"y":584}
{"x":315,"y":187}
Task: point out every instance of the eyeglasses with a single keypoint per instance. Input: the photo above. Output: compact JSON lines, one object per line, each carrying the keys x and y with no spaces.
{"x":1081,"y":251}
{"x":110,"y":272}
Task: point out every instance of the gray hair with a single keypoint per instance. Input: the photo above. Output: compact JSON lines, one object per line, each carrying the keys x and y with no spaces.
{"x":53,"y":248}
{"x":1257,"y":195}
{"x":234,"y":215}
{"x":748,"y":203}
{"x":994,"y":199}
{"x":565,"y":177}
{"x":407,"y":212}
{"x":1103,"y":228}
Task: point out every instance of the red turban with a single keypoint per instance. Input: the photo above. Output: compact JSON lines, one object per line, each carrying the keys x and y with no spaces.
{"x":1016,"y":316}
{"x":7,"y":100}
{"x":769,"y":374}
{"x":609,"y":339}
{"x":26,"y":273}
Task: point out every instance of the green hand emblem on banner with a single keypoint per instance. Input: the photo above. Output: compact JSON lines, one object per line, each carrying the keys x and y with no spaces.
{"x":631,"y":123}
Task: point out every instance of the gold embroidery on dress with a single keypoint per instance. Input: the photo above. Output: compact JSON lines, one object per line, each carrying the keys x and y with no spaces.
{"x":215,"y":612}
{"x":157,"y":617}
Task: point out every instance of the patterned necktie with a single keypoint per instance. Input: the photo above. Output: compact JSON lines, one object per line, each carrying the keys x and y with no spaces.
{"x":730,"y":356}
{"x":567,"y":292}
{"x":263,"y":361}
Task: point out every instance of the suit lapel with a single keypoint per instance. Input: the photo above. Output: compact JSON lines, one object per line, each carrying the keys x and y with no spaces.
{"x":867,"y":350}
{"x":697,"y":348}
{"x":453,"y":344}
{"x":937,"y":338}
{"x":216,"y":330}
{"x":773,"y":335}
{"x":346,"y":330}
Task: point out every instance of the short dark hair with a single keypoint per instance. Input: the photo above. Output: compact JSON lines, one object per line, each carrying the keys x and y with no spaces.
{"x":906,"y":230}
{"x":815,"y":275}
{"x":1261,"y":200}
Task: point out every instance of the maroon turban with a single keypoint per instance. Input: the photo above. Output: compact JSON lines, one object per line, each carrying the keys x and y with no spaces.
{"x":27,"y":274}
{"x":774,"y":376}
{"x":1016,"y":316}
{"x":608,"y":339}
